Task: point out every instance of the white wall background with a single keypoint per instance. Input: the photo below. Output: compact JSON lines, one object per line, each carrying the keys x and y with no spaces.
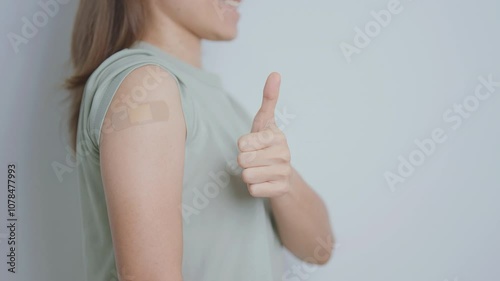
{"x":351,"y":122}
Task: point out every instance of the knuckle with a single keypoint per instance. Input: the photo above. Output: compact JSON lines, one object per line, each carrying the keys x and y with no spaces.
{"x":246,"y":175}
{"x":253,"y":190}
{"x":243,"y":143}
{"x":245,"y":158}
{"x":240,"y":143}
{"x":286,"y":155}
{"x":240,"y":161}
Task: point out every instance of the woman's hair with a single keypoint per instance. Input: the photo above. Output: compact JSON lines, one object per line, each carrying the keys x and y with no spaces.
{"x":101,"y":28}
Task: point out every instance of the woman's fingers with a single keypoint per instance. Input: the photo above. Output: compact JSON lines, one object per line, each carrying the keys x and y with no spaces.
{"x":266,"y":174}
{"x":273,"y":155}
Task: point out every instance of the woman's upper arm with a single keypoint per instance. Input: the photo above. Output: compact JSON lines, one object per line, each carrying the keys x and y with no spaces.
{"x":142,"y":166}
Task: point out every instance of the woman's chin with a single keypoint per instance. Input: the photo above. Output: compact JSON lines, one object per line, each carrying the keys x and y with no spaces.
{"x":228,"y":36}
{"x":227,"y":26}
{"x":225,"y":34}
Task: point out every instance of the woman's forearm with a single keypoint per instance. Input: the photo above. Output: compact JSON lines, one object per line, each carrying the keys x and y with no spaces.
{"x":303,"y":222}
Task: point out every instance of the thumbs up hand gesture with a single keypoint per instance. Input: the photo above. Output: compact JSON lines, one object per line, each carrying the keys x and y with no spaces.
{"x":264,"y":153}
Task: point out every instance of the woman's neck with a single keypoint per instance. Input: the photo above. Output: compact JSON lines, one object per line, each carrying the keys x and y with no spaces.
{"x":174,"y":39}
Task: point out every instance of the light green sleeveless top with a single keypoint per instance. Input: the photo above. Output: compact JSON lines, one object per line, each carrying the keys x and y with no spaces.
{"x":228,"y":234}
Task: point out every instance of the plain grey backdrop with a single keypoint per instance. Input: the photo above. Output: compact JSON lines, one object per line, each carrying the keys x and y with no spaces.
{"x":363,"y":96}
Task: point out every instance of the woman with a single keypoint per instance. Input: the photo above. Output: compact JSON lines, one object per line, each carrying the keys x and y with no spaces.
{"x":176,"y":181}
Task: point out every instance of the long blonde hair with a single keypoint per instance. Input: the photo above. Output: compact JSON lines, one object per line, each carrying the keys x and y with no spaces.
{"x":101,"y":28}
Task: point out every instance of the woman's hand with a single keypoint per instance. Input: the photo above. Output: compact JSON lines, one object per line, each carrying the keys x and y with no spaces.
{"x":264,"y":153}
{"x":301,"y":216}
